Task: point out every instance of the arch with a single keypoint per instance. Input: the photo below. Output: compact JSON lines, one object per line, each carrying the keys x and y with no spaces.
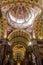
{"x":19,"y":37}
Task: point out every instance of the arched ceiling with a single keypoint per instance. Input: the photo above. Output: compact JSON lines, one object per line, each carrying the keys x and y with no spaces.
{"x":28,"y":5}
{"x":37,"y":29}
{"x":19,"y":37}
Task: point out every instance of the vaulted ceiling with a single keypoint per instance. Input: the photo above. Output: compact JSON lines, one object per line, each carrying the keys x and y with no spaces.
{"x":36,"y":30}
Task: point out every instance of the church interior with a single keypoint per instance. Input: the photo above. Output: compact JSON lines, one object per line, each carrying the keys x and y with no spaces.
{"x":21,"y":32}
